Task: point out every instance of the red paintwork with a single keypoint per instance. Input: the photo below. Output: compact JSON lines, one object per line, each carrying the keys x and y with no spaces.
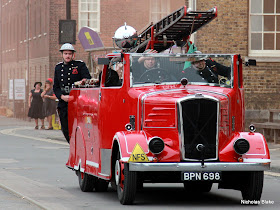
{"x":105,"y":119}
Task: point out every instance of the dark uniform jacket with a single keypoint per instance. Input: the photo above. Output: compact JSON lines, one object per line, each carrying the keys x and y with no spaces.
{"x":209,"y":73}
{"x":212,"y":70}
{"x":66,"y":75}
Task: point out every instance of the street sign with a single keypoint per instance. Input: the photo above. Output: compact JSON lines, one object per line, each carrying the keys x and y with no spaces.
{"x":19,"y":89}
{"x":90,"y":39}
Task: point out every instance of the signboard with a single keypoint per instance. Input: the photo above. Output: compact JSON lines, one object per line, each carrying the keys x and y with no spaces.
{"x":67,"y":31}
{"x":19,"y":89}
{"x":90,"y":39}
{"x":11,"y":89}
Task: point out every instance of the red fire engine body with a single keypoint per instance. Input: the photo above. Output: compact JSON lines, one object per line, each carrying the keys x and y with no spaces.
{"x":166,"y":129}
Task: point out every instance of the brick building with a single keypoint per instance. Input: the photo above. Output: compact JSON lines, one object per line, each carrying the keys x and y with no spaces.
{"x":29,"y":34}
{"x":30,"y":38}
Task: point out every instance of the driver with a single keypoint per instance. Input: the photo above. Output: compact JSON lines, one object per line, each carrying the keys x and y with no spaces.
{"x":209,"y":69}
{"x":144,"y":64}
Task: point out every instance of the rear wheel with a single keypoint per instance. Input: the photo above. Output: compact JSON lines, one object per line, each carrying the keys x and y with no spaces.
{"x":198,"y":186}
{"x":126,"y":182}
{"x":86,"y":181}
{"x":253,"y":185}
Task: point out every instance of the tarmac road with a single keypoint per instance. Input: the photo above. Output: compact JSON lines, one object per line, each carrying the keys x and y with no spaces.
{"x":33,"y":176}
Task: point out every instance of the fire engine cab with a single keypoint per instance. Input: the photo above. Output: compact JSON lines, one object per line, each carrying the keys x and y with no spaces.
{"x":166,"y":121}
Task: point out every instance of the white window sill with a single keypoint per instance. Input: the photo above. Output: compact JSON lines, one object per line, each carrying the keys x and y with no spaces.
{"x":264,"y":59}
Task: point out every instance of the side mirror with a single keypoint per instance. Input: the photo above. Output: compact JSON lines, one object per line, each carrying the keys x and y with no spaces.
{"x":103,"y":61}
{"x":251,"y":62}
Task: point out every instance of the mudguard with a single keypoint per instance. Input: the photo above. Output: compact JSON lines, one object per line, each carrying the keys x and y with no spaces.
{"x":258,"y":152}
{"x":77,"y":154}
{"x":127,"y":140}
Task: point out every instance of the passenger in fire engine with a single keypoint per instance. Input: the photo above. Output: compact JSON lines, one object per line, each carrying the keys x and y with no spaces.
{"x":113,"y":73}
{"x":210,"y":70}
{"x":66,"y":74}
{"x":35,"y":103}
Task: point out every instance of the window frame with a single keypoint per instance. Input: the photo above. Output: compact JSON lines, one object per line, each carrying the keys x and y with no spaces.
{"x":97,"y":29}
{"x":262,"y":53}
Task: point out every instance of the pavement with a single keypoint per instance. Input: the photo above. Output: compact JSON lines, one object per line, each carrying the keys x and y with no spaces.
{"x":23,"y":128}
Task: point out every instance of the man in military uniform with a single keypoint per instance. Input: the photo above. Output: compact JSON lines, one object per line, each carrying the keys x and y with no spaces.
{"x":209,"y":70}
{"x":66,"y":73}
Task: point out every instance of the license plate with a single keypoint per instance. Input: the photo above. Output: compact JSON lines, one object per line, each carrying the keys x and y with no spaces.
{"x":201,"y":176}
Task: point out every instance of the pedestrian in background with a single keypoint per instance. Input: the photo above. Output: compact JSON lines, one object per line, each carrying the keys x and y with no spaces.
{"x":49,"y":102}
{"x":35,"y":103}
{"x":66,"y":74}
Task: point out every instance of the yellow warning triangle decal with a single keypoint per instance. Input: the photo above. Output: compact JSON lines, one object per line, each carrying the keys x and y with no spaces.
{"x":138,"y":155}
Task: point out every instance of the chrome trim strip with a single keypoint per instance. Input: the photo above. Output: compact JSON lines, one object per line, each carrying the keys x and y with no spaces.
{"x":220,"y":166}
{"x":256,"y":160}
{"x":93,"y":164}
{"x":103,"y":174}
{"x":181,"y":133}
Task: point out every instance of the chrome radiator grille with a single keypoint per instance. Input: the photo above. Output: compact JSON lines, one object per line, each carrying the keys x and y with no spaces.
{"x":199,"y":126}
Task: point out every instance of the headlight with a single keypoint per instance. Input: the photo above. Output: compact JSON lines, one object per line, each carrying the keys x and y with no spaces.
{"x":156,"y":145}
{"x":241,"y":146}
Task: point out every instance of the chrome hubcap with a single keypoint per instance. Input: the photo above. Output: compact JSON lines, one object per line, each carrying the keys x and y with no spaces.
{"x":117,"y":172}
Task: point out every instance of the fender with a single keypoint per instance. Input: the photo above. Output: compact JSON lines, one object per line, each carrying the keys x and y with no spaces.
{"x":80,"y":151}
{"x":127,"y":141}
{"x":258,"y":152}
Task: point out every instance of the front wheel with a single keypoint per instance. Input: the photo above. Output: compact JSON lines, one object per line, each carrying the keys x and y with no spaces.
{"x":126,"y":182}
{"x":86,"y":181}
{"x":252,"y":185}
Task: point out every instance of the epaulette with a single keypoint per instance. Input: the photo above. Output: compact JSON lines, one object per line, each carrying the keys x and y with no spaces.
{"x":59,"y":63}
{"x":80,"y":61}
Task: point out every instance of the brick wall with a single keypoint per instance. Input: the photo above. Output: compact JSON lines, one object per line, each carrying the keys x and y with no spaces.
{"x":228,"y":33}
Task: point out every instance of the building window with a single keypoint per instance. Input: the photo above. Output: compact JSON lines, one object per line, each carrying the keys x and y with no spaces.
{"x":89,"y":14}
{"x":159,"y":9}
{"x":264,"y":32}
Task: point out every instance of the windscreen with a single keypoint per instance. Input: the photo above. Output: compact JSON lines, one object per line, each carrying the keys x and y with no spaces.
{"x":213,"y":70}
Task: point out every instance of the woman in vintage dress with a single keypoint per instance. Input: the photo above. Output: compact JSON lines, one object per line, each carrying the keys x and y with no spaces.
{"x":49,"y":102}
{"x":35,"y":103}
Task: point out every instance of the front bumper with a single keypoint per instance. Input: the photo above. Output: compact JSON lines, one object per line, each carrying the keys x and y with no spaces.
{"x":220,"y":166}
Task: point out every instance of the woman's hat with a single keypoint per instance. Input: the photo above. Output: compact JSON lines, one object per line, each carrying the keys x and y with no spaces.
{"x":37,"y":83}
{"x":49,"y":80}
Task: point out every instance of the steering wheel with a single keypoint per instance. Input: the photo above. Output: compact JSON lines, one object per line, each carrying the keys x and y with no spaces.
{"x":156,"y":75}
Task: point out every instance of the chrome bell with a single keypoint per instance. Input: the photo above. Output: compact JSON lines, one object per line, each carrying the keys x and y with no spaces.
{"x":125,"y":37}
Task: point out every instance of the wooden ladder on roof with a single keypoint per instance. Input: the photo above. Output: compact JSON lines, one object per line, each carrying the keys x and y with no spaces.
{"x":177,"y":26}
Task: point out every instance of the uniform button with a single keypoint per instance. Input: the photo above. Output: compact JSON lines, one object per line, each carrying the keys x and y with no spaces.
{"x":68,"y":78}
{"x":63,"y":85}
{"x":62,"y":75}
{"x":61,"y":69}
{"x":68,"y":73}
{"x":69,"y":68}
{"x":68,"y":83}
{"x":72,"y":64}
{"x":61,"y":79}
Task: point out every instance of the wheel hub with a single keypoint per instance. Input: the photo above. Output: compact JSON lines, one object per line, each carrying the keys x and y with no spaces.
{"x":117,"y":172}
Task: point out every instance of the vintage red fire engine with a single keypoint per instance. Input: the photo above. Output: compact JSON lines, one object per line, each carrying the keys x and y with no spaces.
{"x":167,"y":123}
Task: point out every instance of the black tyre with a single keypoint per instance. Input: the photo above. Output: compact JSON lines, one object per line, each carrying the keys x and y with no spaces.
{"x":86,"y":181}
{"x":126,"y":187}
{"x":101,"y":185}
{"x":198,"y":186}
{"x":252,"y":185}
